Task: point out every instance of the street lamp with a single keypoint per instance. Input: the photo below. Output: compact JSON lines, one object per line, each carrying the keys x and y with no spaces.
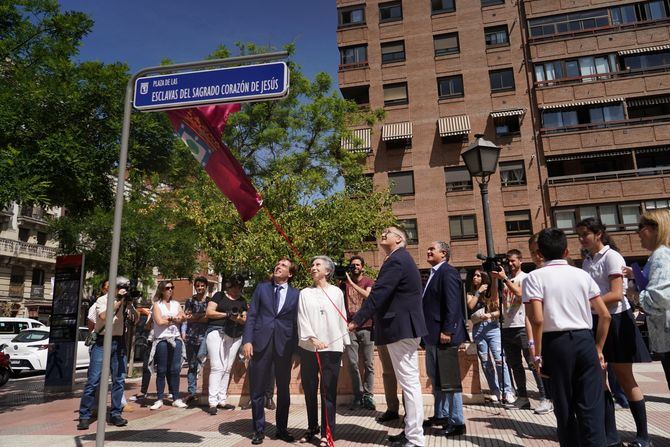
{"x":481,"y":159}
{"x":464,"y":275}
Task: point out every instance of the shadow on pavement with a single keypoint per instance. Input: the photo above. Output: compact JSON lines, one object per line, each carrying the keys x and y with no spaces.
{"x":163,"y":435}
{"x":524,"y":430}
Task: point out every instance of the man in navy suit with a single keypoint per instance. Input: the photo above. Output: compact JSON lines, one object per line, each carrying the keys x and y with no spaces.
{"x":395,"y":305}
{"x":270,"y":337}
{"x":443,"y":309}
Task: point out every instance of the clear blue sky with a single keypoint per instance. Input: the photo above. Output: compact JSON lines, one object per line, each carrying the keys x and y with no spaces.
{"x":141,"y":33}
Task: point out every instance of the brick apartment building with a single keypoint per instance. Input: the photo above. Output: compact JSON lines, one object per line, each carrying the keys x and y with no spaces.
{"x":575,"y":92}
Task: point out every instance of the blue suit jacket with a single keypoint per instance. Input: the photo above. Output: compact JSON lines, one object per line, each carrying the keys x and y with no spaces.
{"x":395,"y":301}
{"x":263,"y":325}
{"x":443,"y":306}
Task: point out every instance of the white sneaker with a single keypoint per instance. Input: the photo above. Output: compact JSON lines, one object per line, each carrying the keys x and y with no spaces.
{"x":156,"y":405}
{"x":169,"y":396}
{"x":179,"y":404}
{"x":510,"y":398}
{"x":545,"y":406}
{"x":492,"y":398}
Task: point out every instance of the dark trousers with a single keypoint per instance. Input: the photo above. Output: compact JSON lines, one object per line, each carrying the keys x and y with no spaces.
{"x":515,"y":344}
{"x":146,"y":373}
{"x":665,"y":361}
{"x":309,"y":375}
{"x":390,"y":382}
{"x":571,"y":361}
{"x":168,"y":365}
{"x":261,"y":363}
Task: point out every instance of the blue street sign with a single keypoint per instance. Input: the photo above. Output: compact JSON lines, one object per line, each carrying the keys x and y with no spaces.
{"x":190,"y":89}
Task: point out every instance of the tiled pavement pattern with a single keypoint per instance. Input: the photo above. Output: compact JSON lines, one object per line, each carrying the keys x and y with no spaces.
{"x":28,"y":418}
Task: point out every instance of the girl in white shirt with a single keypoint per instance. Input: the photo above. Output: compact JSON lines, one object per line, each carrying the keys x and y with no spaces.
{"x":624,"y":345}
{"x":322,"y":332}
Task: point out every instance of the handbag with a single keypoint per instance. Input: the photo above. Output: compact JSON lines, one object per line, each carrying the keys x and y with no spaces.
{"x":449,"y":370}
{"x":92,"y":337}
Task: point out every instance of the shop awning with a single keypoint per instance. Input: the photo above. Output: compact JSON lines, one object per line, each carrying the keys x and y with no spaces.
{"x":636,"y":102}
{"x":359,"y":141}
{"x":454,"y":125}
{"x":508,"y":112}
{"x":589,"y":155}
{"x":580,"y":103}
{"x":397,"y":131}
{"x":644,"y":50}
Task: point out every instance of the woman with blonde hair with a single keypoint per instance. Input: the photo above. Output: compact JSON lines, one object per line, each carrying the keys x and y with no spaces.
{"x":654,"y":233}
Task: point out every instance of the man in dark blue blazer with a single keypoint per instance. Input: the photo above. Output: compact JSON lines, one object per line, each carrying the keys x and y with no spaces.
{"x":270,"y":337}
{"x":395,"y":305}
{"x":443,"y":309}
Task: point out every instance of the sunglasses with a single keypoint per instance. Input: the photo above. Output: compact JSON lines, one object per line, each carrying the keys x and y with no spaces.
{"x":169,"y":287}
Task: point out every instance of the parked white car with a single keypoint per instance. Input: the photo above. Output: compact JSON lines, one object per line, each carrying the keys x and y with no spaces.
{"x":28,"y":351}
{"x":10,"y":327}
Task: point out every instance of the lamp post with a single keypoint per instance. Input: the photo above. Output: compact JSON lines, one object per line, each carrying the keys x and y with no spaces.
{"x":481,"y":159}
{"x":464,"y":275}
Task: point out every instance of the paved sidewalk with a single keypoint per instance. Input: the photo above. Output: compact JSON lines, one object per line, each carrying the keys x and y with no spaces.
{"x":30,"y":418}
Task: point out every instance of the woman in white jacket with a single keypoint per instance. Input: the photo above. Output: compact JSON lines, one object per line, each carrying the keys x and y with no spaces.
{"x":323,"y":334}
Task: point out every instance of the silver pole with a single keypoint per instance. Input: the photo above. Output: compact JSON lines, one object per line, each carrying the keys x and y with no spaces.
{"x":118,"y":213}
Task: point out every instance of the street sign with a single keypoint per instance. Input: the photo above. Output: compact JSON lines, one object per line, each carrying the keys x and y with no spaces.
{"x":234,"y":84}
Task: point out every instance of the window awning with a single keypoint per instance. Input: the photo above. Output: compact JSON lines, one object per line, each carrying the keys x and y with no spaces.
{"x":648,"y":150}
{"x":359,"y":141}
{"x":509,"y":112}
{"x":580,"y":103}
{"x":454,"y":125}
{"x":648,"y":101}
{"x":397,"y":131}
{"x":644,"y":50}
{"x":585,"y":156}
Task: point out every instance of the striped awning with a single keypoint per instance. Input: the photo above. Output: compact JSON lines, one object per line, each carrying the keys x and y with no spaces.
{"x":648,"y":150}
{"x":585,"y":156}
{"x":509,"y":112}
{"x":644,"y":50}
{"x":454,"y":125}
{"x":397,"y":131}
{"x":359,"y":141}
{"x":636,"y":102}
{"x":580,"y":103}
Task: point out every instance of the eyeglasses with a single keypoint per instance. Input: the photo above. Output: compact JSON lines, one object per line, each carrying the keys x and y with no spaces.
{"x":169,"y":287}
{"x":387,"y":231}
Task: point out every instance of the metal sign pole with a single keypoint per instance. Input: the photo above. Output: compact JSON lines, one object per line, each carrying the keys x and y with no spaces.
{"x":118,"y":212}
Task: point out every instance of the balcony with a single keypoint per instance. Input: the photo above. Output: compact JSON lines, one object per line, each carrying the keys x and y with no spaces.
{"x":633,"y":184}
{"x":36,"y":292}
{"x":6,"y":213}
{"x":18,"y":249}
{"x":16,"y":291}
{"x":32,"y":216}
{"x":631,"y":133}
{"x":637,"y":82}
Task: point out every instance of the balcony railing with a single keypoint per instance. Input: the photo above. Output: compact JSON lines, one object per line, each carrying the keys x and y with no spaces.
{"x":606,"y":125}
{"x":16,"y":290}
{"x":37,"y":292}
{"x":609,"y":175}
{"x":353,"y":66}
{"x":33,"y":212}
{"x":601,"y":76}
{"x":17,"y":248}
{"x":602,"y":29}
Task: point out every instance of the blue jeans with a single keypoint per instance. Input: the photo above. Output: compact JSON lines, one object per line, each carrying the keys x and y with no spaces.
{"x":193,"y":366}
{"x":118,"y":371}
{"x":487,"y":336}
{"x":168,"y":364}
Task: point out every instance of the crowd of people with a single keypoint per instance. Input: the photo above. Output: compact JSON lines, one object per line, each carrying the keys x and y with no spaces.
{"x":575,"y":329}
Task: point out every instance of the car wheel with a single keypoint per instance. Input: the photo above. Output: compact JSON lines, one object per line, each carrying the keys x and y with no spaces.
{"x":4,"y":377}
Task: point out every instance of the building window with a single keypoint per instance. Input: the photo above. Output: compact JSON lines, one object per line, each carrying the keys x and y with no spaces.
{"x":582,"y":115}
{"x":507,"y":126}
{"x":446,"y":44}
{"x":657,"y":204}
{"x":393,"y":52}
{"x":24,"y":234}
{"x":351,"y":16}
{"x":450,"y":86}
{"x":492,"y":2}
{"x":411,"y":230}
{"x":395,"y":94}
{"x":502,"y":80}
{"x":496,"y":36}
{"x":402,"y":183}
{"x":18,"y":275}
{"x":646,"y":60}
{"x":615,"y":217}
{"x":573,"y":22}
{"x":355,"y":55}
{"x":440,"y":6}
{"x":41,"y":238}
{"x":512,"y":173}
{"x":359,"y":94}
{"x":38,"y":277}
{"x":390,"y":12}
{"x":463,"y":227}
{"x":582,"y":69}
{"x":458,"y":179}
{"x":518,"y":223}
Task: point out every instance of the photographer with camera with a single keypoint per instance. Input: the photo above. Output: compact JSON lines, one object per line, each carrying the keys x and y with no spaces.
{"x":356,"y":289}
{"x":226,"y":314}
{"x":124,"y":313}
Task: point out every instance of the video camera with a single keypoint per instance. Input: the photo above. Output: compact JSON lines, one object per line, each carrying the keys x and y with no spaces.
{"x":341,"y":271}
{"x":496,"y":263}
{"x":128,"y":291}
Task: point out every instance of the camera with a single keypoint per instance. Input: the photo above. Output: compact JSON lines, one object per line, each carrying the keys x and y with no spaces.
{"x":341,"y":271}
{"x":234,"y":312}
{"x":496,"y":263}
{"x":127,"y":293}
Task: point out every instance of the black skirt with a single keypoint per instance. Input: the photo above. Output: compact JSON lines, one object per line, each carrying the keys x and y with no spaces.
{"x":624,"y":343}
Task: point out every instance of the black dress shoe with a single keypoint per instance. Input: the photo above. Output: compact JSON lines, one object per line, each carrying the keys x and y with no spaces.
{"x":270,"y":404}
{"x":435,"y":421}
{"x":397,"y":438}
{"x":388,"y":416}
{"x":453,"y":430}
{"x":285,"y":436}
{"x":118,"y":421}
{"x":83,"y":424}
{"x":258,"y":438}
